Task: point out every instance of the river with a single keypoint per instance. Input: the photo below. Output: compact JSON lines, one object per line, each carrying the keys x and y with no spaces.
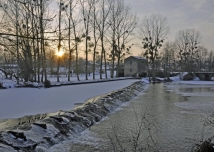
{"x":165,"y":117}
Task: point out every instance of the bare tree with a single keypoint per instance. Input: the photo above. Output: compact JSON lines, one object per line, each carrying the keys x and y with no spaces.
{"x":115,"y":11}
{"x":72,"y":4}
{"x":153,"y":31}
{"x":168,"y":57}
{"x":187,"y":42}
{"x":200,"y":58}
{"x":74,"y":18}
{"x":95,"y":37}
{"x":210,"y":60}
{"x":27,"y":23}
{"x":61,"y":6}
{"x":87,"y":7}
{"x":123,"y":32}
{"x":102,"y":26}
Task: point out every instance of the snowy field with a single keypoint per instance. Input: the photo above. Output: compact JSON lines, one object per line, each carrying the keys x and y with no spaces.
{"x":18,"y":102}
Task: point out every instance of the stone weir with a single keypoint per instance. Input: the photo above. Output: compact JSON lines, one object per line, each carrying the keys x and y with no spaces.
{"x":42,"y":132}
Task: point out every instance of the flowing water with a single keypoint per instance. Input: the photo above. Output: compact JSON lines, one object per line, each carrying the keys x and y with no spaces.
{"x":163,"y":118}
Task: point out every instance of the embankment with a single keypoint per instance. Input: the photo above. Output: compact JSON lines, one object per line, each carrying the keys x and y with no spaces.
{"x":40,"y":132}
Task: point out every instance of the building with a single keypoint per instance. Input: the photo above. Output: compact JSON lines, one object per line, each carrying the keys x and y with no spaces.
{"x":135,"y":66}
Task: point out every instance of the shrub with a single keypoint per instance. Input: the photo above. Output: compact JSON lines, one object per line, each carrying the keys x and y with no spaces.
{"x":189,"y":76}
{"x":28,"y":85}
{"x":47,"y":84}
{"x":1,"y":85}
{"x":205,"y":146}
{"x":160,"y":74}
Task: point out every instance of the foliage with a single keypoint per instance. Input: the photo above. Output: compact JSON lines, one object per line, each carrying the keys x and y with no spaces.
{"x":1,"y":86}
{"x":188,"y":44}
{"x":151,"y":48}
{"x":188,"y":76}
{"x":153,"y":31}
{"x":206,"y":146}
{"x":47,"y":84}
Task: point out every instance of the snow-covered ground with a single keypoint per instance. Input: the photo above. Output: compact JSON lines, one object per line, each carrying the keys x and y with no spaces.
{"x":19,"y":102}
{"x":11,"y":83}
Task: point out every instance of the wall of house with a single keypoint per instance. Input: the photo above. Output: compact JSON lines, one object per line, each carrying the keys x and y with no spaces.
{"x":142,"y":66}
{"x":130,"y":67}
{"x":134,"y":67}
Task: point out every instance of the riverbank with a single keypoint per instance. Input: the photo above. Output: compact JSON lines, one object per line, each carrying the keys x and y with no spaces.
{"x":34,"y":135}
{"x":56,"y":122}
{"x":16,"y":103}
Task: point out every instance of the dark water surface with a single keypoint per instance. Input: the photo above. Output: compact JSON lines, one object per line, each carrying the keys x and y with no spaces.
{"x":153,"y":115}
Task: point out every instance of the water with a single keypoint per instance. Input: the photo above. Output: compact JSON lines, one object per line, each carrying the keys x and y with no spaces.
{"x":157,"y":120}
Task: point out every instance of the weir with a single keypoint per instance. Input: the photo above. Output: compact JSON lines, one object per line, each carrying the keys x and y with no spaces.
{"x":40,"y":132}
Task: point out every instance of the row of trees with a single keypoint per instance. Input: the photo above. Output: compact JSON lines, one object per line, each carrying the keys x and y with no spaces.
{"x":30,"y":31}
{"x":186,"y":53}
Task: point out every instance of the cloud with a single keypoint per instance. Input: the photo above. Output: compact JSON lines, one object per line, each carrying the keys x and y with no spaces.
{"x":197,"y":4}
{"x":181,"y":14}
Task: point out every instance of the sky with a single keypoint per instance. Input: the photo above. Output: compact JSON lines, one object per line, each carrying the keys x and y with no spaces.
{"x":181,"y":14}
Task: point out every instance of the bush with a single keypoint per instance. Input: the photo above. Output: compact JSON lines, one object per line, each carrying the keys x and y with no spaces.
{"x":160,"y":74}
{"x":1,"y":86}
{"x":189,"y":76}
{"x":47,"y":84}
{"x":205,"y":146}
{"x":28,"y":85}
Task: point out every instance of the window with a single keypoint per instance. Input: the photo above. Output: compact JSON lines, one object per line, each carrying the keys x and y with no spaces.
{"x":130,"y":70}
{"x":130,"y":62}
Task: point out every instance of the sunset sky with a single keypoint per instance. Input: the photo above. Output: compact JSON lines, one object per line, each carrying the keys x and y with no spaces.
{"x":181,"y":14}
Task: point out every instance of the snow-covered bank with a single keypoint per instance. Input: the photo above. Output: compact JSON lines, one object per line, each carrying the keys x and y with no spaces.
{"x":63,"y":80}
{"x":40,"y":135}
{"x":17,"y":103}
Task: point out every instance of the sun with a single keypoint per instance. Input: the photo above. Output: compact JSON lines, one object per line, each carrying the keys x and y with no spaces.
{"x":59,"y":53}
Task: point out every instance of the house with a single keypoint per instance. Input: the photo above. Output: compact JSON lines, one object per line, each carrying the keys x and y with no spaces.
{"x":135,"y":66}
{"x":121,"y":70}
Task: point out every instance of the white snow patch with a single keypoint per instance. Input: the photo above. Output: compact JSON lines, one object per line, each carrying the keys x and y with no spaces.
{"x":145,"y":80}
{"x":17,"y":103}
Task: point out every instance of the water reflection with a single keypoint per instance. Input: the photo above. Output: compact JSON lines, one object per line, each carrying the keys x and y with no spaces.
{"x":164,"y":126}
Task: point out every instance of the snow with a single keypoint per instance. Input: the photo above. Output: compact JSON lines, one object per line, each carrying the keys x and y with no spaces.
{"x":19,"y":102}
{"x":196,"y":81}
{"x":145,"y":80}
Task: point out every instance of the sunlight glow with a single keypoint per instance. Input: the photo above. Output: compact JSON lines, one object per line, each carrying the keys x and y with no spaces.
{"x":59,"y":53}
